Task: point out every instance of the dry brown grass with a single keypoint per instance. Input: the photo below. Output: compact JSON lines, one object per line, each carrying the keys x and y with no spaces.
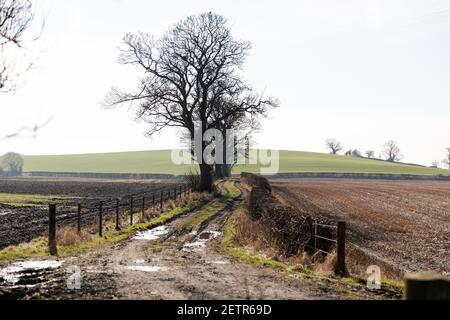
{"x":357,"y":262}
{"x":69,"y":235}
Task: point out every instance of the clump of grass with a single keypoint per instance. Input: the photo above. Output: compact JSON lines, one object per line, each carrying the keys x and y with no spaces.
{"x":231,"y":249}
{"x":233,"y":191}
{"x":38,"y":247}
{"x":69,"y":236}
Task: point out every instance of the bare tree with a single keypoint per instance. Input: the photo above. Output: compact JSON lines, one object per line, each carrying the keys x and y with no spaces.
{"x":185,"y":73}
{"x":448,"y":157}
{"x":446,"y":161}
{"x":13,"y":162}
{"x":15,"y":18}
{"x":356,"y":153}
{"x":242,"y":125}
{"x":334,"y":145}
{"x":391,"y":151}
{"x":370,"y":154}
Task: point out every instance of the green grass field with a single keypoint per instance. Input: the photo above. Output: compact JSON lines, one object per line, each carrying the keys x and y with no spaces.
{"x":160,"y":162}
{"x":30,"y":200}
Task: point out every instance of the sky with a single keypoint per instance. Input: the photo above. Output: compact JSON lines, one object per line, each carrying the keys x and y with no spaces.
{"x":362,"y":71}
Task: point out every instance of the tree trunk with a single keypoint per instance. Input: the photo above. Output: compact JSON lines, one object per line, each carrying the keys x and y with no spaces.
{"x":205,"y":177}
{"x":227,"y":170}
{"x":219,"y":171}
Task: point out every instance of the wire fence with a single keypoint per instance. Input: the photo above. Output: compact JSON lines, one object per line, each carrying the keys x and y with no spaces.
{"x":87,"y":212}
{"x":329,"y":237}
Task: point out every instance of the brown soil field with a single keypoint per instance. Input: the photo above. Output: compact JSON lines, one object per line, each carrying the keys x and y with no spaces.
{"x":23,"y":223}
{"x":403,"y":224}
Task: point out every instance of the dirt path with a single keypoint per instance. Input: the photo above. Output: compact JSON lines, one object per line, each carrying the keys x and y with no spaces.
{"x":170,"y":262}
{"x":187,"y":265}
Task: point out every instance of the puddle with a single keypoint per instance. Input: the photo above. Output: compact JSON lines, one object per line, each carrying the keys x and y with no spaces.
{"x":218,"y":262}
{"x":152,"y":234}
{"x":147,"y":268}
{"x":141,"y":261}
{"x":26,"y":273}
{"x":201,"y":240}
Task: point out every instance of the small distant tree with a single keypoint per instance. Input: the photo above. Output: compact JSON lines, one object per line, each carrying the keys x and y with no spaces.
{"x":349,"y":153}
{"x":391,"y":151}
{"x":356,"y":153}
{"x":447,"y":160}
{"x":435,"y":164}
{"x":334,"y":146}
{"x":370,"y":154}
{"x":13,"y":162}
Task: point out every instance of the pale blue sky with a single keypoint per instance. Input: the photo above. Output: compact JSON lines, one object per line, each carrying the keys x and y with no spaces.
{"x":360,"y":71}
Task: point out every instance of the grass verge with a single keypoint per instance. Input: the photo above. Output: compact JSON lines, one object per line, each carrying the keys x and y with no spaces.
{"x":231,"y":248}
{"x":202,"y":216}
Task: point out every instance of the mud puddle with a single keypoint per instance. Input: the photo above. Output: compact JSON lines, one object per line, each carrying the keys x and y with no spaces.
{"x":201,"y":240}
{"x":28,"y":273}
{"x":147,"y":268}
{"x":219,"y":262}
{"x":152,"y":234}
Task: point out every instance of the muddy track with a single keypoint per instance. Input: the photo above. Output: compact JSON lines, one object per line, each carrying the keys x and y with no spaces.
{"x":173,"y":263}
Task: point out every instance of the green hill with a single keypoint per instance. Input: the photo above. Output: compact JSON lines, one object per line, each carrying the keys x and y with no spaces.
{"x":160,"y":162}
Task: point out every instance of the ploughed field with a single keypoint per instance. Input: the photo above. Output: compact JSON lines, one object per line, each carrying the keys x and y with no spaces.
{"x":24,"y":202}
{"x":403,"y":223}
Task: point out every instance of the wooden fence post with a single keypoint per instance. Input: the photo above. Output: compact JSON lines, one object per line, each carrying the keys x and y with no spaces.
{"x":162,"y":199}
{"x":79,"y":218}
{"x":315,"y":237}
{"x":117,"y":214}
{"x":100,"y":220}
{"x":175,"y":193}
{"x":52,"y":230}
{"x":426,"y":286}
{"x":131,"y":211}
{"x":143,"y":207}
{"x":340,"y":249}
{"x":153,"y":199}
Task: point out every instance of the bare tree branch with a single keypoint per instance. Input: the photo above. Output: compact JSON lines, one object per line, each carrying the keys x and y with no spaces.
{"x":26,"y":131}
{"x":16,"y":17}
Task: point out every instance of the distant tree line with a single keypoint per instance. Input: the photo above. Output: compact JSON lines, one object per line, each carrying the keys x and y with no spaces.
{"x":391,"y":151}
